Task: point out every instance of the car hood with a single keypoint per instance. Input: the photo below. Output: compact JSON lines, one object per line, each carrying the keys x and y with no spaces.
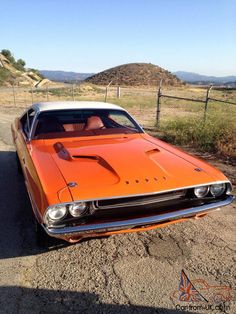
{"x":113,"y":166}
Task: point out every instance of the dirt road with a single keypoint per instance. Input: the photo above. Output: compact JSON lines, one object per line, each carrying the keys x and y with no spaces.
{"x":132,"y":273}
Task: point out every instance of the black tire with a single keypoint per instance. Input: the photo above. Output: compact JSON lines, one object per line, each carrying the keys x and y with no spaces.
{"x":19,"y":169}
{"x":42,"y":239}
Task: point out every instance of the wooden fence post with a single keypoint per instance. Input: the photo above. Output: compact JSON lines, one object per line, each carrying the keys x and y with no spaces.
{"x":206,"y":102}
{"x":118,"y":92}
{"x":158,"y":104}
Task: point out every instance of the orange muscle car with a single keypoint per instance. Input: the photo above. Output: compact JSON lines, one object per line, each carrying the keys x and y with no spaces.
{"x":91,"y":170}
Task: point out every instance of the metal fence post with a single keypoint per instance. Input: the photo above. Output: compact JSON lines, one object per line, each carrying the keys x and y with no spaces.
{"x":73,"y":94}
{"x":47,"y":92}
{"x":32,"y":95}
{"x":107,"y":91}
{"x":206,"y":102}
{"x":14,"y":96}
{"x":158,"y":104}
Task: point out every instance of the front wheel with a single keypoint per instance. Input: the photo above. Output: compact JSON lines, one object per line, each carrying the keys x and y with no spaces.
{"x":19,"y":169}
{"x":42,"y":239}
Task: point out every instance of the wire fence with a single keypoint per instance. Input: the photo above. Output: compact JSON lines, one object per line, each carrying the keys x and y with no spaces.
{"x":150,"y":106}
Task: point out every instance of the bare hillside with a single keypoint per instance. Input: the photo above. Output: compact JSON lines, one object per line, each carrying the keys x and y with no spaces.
{"x":14,"y":72}
{"x":135,"y":74}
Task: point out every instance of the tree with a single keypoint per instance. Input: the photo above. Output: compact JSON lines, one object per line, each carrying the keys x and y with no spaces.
{"x":21,"y":63}
{"x":7,"y":53}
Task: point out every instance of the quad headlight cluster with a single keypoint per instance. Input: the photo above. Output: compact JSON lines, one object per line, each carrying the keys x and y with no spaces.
{"x":60,"y":211}
{"x":216,"y":190}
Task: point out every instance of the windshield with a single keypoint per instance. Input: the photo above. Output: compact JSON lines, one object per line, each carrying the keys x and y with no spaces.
{"x":84,"y":122}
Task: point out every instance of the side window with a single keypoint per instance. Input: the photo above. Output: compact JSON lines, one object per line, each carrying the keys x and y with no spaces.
{"x":27,"y":120}
{"x":121,"y":119}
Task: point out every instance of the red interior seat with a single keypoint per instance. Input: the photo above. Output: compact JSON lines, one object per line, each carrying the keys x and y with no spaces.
{"x":93,"y":123}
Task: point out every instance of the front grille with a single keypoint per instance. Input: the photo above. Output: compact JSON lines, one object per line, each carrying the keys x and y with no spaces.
{"x":139,"y":200}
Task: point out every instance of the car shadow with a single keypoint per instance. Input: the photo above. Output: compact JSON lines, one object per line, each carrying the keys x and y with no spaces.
{"x":28,"y":300}
{"x":17,"y":228}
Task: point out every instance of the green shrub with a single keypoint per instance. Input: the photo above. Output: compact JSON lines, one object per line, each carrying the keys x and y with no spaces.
{"x":7,"y":53}
{"x":212,"y":135}
{"x":19,"y":65}
{"x":5,"y":75}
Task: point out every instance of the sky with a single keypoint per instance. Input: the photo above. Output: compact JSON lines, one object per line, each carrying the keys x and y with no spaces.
{"x":90,"y":36}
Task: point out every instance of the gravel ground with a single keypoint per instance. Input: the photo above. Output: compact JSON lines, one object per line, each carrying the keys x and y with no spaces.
{"x":130,"y":273}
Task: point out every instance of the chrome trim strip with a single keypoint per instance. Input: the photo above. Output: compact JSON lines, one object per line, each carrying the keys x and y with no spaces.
{"x":33,"y":126}
{"x":130,"y":223}
{"x":141,"y":194}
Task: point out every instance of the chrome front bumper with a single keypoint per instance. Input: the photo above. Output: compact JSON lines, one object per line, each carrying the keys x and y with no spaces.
{"x":81,"y":230}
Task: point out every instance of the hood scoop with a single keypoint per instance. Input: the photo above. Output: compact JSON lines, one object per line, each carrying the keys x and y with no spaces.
{"x":152,"y":151}
{"x":87,"y":157}
{"x":64,"y":154}
{"x":94,"y":158}
{"x":61,"y":151}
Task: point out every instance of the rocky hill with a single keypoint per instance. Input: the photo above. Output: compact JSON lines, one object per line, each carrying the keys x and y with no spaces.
{"x":14,"y":72}
{"x":135,"y":74}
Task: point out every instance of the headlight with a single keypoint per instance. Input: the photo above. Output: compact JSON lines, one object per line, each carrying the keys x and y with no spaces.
{"x":229,"y":188}
{"x":57,"y":212}
{"x":217,"y":189}
{"x":77,"y":209}
{"x":201,"y":191}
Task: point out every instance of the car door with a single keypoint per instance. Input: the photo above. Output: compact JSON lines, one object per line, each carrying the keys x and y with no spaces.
{"x":25,"y":148}
{"x":22,"y":138}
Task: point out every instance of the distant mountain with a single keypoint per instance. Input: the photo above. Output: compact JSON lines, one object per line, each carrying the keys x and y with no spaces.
{"x":138,"y":74}
{"x":190,"y":77}
{"x":135,"y":74}
{"x":63,"y":76}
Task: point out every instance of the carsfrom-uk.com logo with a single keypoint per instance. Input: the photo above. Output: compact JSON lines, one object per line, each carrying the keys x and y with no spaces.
{"x":199,"y":295}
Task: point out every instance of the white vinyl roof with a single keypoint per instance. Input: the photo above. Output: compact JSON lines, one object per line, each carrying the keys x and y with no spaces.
{"x":60,"y":105}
